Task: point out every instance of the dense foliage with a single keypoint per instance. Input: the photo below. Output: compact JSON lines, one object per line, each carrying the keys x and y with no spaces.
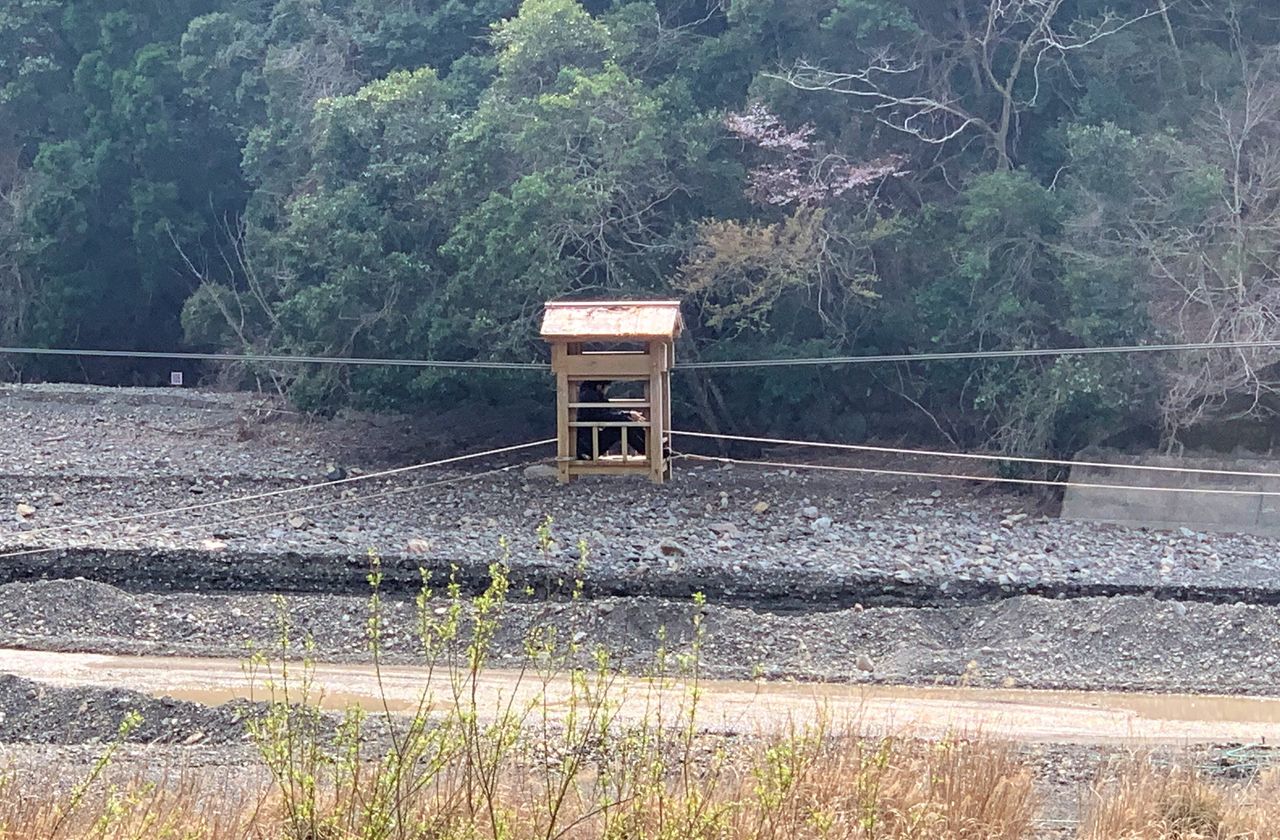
{"x":812,"y":177}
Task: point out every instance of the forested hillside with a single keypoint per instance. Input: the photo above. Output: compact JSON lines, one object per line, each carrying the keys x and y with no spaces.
{"x":812,"y":177}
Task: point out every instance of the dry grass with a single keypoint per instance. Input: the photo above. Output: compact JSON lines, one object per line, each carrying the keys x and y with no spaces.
{"x":185,"y":806}
{"x":809,"y":785}
{"x":802,"y":785}
{"x":1147,"y":803}
{"x":849,"y":786}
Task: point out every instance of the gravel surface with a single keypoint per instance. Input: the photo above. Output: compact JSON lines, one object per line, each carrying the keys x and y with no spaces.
{"x":828,"y":576}
{"x":739,"y":534}
{"x":809,"y":575}
{"x":34,"y":713}
{"x":1116,"y":643}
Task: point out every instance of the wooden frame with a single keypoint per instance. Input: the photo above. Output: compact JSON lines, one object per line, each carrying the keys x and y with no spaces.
{"x":650,"y":326}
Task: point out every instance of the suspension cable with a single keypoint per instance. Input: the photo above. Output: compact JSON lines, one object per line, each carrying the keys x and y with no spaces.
{"x":993,"y":479}
{"x":235,"y":520}
{"x":708,"y":365}
{"x":92,"y":523}
{"x":981,"y":354}
{"x":975,"y":456}
{"x":269,"y":357}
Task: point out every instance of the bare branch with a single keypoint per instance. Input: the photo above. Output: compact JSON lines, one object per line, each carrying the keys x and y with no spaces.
{"x":1012,"y":47}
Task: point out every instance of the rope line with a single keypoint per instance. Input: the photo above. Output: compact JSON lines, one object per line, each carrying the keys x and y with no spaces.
{"x":982,"y":354}
{"x":977,"y":456}
{"x":245,"y":357}
{"x":710,"y":365}
{"x":90,"y":523}
{"x":235,"y":520}
{"x":993,"y":479}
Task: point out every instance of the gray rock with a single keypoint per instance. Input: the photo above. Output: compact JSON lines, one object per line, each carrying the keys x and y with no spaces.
{"x":671,"y":548}
{"x":541,"y":472}
{"x":724,"y":529}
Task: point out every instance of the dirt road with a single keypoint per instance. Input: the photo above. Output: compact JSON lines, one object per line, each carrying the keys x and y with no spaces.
{"x":1030,"y":716}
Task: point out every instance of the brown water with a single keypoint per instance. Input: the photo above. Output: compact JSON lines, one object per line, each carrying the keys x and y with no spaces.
{"x":1060,"y":716}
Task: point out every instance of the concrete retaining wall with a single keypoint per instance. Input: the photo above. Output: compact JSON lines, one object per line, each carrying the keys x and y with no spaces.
{"x":1254,"y":512}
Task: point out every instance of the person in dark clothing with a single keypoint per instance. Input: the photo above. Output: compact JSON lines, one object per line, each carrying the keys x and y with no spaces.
{"x":610,"y":436}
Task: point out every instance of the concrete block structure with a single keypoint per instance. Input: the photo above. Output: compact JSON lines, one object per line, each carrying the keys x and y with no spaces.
{"x":1142,"y":498}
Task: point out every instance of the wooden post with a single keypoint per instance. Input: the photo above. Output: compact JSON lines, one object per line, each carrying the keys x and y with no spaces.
{"x":653,"y":392}
{"x":564,"y":441}
{"x":666,"y":401}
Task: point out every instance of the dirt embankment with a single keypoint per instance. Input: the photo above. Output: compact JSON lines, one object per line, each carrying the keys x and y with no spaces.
{"x":1082,"y":643}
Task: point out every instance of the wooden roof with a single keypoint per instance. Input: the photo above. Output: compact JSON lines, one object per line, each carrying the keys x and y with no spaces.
{"x":611,"y":319}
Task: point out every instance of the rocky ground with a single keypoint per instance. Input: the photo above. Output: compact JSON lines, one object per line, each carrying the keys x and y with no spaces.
{"x":811,"y":575}
{"x":34,"y":713}
{"x":118,"y":534}
{"x":1116,"y":643}
{"x":108,"y":482}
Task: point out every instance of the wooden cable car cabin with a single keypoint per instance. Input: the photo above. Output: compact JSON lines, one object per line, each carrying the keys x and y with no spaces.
{"x":599,"y":347}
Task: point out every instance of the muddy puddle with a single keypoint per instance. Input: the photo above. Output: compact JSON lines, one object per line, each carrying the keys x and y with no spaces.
{"x":729,"y":706}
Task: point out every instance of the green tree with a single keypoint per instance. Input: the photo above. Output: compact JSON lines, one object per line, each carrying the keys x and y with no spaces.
{"x":352,"y":265}
{"x":563,"y":179}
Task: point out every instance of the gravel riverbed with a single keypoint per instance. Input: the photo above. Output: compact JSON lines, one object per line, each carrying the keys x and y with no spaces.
{"x":120,"y":484}
{"x":809,"y":576}
{"x":116,"y":539}
{"x":1113,"y":643}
